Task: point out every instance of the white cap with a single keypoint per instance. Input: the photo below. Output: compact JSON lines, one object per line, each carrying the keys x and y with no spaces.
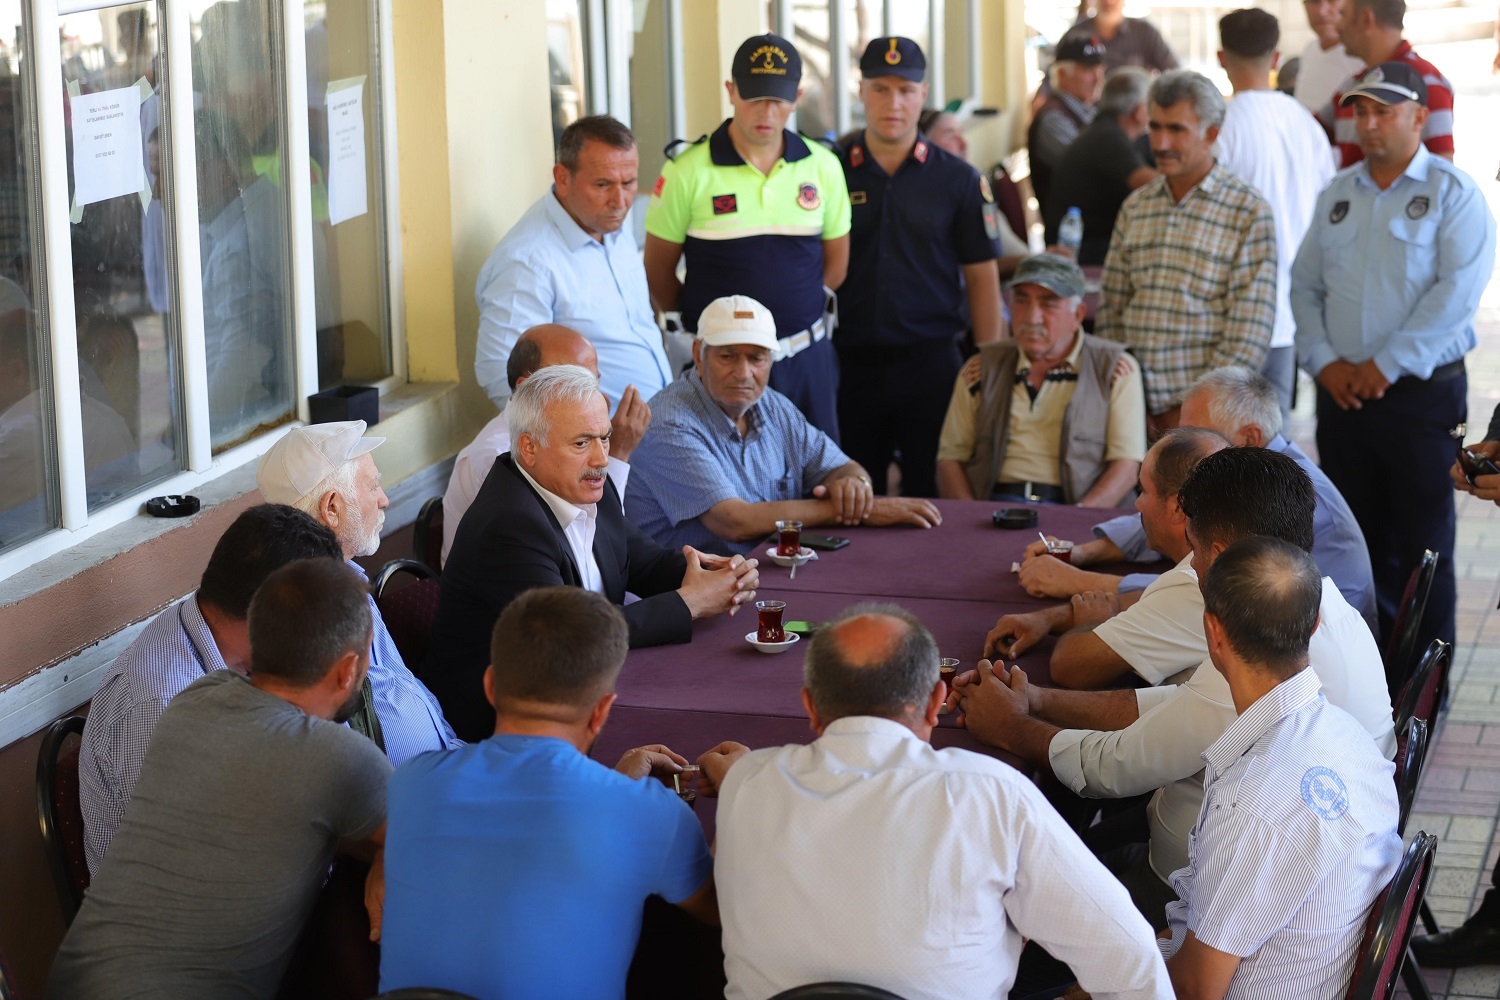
{"x":305,"y":456}
{"x":737,"y":319}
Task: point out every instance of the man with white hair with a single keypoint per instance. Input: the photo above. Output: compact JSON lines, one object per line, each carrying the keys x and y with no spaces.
{"x":549,"y":516}
{"x":1241,"y":405}
{"x":326,"y":470}
{"x":1190,"y":280}
{"x":1076,"y":76}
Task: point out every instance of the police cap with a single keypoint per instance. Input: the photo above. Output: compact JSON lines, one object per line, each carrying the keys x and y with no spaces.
{"x":894,"y":56}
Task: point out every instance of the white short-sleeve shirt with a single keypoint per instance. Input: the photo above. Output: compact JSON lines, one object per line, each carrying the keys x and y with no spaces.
{"x":1162,"y":633}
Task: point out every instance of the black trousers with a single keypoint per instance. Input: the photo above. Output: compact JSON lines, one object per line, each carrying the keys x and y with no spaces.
{"x":1390,"y":460}
{"x":894,"y":400}
{"x":810,"y":379}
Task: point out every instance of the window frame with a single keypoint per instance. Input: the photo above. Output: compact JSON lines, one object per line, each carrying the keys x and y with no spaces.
{"x":42,"y":67}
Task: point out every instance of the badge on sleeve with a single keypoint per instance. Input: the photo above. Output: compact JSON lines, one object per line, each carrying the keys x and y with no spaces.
{"x":661,"y":182}
{"x":1340,"y":209}
{"x":726,"y":204}
{"x":991,"y":221}
{"x":1324,"y":792}
{"x":1417,"y":207}
{"x":807,"y":197}
{"x":856,"y":155}
{"x":919,"y":151}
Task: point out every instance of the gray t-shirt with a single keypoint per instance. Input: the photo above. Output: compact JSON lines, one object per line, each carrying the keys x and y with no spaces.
{"x":241,"y":802}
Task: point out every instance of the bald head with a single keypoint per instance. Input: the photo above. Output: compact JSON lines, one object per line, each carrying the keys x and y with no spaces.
{"x":1265,"y":594}
{"x":549,"y":344}
{"x":875,"y":659}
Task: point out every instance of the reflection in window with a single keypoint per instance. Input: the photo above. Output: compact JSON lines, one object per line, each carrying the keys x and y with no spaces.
{"x":565,"y":47}
{"x":26,"y":505}
{"x":127,"y":360}
{"x":244,"y":244}
{"x":349,"y":248}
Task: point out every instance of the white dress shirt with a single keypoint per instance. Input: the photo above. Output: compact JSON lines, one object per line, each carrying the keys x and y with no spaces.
{"x":473,"y":465}
{"x":1161,"y":634}
{"x":1277,"y":145}
{"x":546,"y":269}
{"x":869,"y":856}
{"x":578,"y":524}
{"x":1296,"y":838}
{"x":1162,"y":749}
{"x":1321,"y":71}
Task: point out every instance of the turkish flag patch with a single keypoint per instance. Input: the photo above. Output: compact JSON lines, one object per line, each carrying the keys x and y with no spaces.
{"x":661,"y":182}
{"x":725,"y":204}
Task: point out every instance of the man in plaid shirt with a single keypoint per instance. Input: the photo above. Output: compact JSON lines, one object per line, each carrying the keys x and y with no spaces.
{"x":1190,"y":281}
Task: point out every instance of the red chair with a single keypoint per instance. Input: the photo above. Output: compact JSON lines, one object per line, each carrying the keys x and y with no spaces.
{"x":1422,"y":695}
{"x":408,"y":610}
{"x":1401,"y":648}
{"x":1383,"y":949}
{"x":427,"y":535}
{"x":60,"y":815}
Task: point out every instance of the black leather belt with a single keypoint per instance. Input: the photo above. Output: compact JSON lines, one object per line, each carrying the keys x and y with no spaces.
{"x":1034,"y":492}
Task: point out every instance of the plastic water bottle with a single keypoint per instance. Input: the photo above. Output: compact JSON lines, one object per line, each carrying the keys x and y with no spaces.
{"x":1070,"y":232}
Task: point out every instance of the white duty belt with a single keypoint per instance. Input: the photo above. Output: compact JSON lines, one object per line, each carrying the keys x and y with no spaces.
{"x":787,"y":347}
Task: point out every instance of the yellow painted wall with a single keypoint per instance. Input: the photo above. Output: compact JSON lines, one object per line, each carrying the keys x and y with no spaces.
{"x":711,"y":32}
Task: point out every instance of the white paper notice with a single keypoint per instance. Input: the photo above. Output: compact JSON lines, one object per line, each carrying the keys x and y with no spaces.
{"x":106,"y":145}
{"x":347,"y":197}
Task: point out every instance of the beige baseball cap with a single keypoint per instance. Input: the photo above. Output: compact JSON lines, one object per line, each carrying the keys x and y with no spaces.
{"x":305,"y":456}
{"x":737,"y":319}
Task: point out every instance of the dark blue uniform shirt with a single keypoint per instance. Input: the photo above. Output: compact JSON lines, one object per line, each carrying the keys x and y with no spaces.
{"x":911,"y":235}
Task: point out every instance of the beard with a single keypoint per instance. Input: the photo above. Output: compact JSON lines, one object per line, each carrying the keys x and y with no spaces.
{"x":352,"y":706}
{"x":363,"y":532}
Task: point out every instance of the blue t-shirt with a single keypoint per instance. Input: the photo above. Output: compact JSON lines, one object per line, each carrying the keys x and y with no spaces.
{"x":502,"y":856}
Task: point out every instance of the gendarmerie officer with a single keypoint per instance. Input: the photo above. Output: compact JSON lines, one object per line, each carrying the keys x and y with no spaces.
{"x":761,"y":212}
{"x":1384,"y":292}
{"x":922,"y":269}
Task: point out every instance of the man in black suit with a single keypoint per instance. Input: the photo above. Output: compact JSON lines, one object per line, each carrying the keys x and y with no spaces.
{"x":538,"y":521}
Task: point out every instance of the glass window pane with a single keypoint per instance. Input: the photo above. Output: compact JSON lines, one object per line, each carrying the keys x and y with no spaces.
{"x":243,"y":213}
{"x":127,"y":363}
{"x":565,"y":61}
{"x":27,"y":506}
{"x":815,"y":108}
{"x":344,"y":108}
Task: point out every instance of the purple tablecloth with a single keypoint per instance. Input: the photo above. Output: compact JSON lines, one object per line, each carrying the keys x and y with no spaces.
{"x":965,"y":558}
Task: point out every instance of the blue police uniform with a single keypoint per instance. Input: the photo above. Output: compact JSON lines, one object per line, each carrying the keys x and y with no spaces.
{"x":903,"y":309}
{"x":1396,"y":276}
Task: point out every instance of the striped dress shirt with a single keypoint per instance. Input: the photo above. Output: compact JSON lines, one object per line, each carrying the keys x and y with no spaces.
{"x":1296,"y":838}
{"x":1190,"y":286}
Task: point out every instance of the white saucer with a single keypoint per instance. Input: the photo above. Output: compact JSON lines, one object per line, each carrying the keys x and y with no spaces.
{"x":792,"y":638}
{"x":803,"y":555}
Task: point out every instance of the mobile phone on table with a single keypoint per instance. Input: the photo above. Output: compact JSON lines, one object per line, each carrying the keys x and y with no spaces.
{"x":802,"y":628}
{"x":826,"y":543}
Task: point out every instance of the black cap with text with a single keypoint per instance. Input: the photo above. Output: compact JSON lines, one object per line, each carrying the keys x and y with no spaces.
{"x":1389,"y":83}
{"x":767,"y":68}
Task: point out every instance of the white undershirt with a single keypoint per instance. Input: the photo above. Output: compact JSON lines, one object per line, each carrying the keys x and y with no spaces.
{"x":1321,"y":71}
{"x":578,"y":524}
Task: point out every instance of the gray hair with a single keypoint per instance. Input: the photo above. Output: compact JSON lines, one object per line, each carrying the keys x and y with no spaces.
{"x":1238,"y":396}
{"x":526,"y":413}
{"x":1178,"y":85}
{"x":1124,"y":91}
{"x":903,"y":677}
{"x":340,"y":481}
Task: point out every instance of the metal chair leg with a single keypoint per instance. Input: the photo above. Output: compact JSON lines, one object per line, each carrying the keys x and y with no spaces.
{"x":1428,"y":920}
{"x":1411,"y":975}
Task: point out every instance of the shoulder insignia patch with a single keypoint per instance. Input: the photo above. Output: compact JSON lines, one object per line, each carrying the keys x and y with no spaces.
{"x":1324,"y":792}
{"x":1337,"y":213}
{"x":920,"y":151}
{"x":661,"y":182}
{"x":807,"y":197}
{"x":1417,"y":207}
{"x":856,"y":156}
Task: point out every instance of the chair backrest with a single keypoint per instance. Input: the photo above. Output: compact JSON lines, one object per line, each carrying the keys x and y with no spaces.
{"x":60,"y":815}
{"x":835,"y":991}
{"x":6,"y":992}
{"x":427,"y":534}
{"x":408,"y":611}
{"x":1377,"y":965}
{"x":1401,"y":647}
{"x":1411,"y":751}
{"x":1423,"y":692}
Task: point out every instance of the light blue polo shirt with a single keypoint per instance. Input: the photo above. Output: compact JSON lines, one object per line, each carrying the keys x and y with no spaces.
{"x":693,"y":457}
